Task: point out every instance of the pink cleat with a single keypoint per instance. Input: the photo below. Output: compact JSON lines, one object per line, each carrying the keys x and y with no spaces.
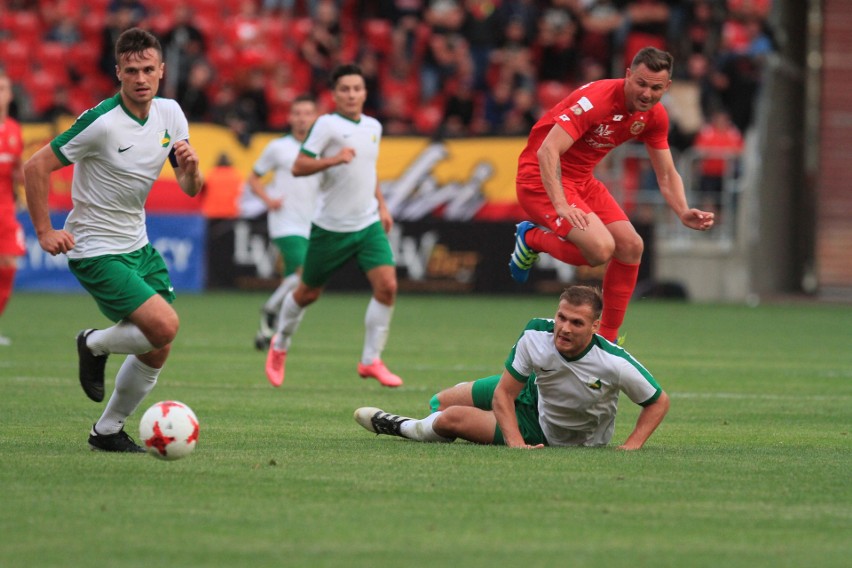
{"x":378,"y":371}
{"x":275,"y":364}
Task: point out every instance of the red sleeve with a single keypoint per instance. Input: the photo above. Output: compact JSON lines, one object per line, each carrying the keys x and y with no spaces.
{"x":657,"y":134}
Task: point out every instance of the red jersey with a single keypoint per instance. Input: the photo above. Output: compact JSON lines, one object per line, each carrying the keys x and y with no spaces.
{"x":11,"y":150}
{"x":596,"y":117}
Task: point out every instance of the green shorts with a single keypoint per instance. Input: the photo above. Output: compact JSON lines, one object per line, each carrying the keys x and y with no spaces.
{"x":329,"y":250}
{"x":120,"y":283}
{"x":292,"y":249}
{"x":527,"y":414}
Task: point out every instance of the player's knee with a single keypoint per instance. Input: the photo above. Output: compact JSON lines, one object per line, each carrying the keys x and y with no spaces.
{"x":164,"y":331}
{"x":630,"y":249}
{"x":600,"y":252}
{"x":305,"y":296}
{"x":385,"y":291}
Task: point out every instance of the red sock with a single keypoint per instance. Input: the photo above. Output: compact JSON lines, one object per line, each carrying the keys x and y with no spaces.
{"x":618,"y":285}
{"x":558,"y":248}
{"x":7,"y":278}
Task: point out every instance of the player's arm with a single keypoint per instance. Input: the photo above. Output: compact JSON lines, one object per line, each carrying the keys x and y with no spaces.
{"x":187,"y":171}
{"x":306,"y":164}
{"x":256,"y":186}
{"x":503,"y":404}
{"x":671,"y":186}
{"x":37,"y":172}
{"x":549,"y":155}
{"x":648,"y":420}
{"x":384,"y":214}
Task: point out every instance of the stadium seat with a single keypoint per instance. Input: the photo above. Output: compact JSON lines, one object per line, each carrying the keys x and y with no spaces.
{"x":551,"y":92}
{"x":52,"y":57}
{"x":377,"y":33}
{"x":24,"y":25}
{"x":15,"y":55}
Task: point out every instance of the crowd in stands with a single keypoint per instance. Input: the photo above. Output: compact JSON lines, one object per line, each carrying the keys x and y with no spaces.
{"x":434,"y":67}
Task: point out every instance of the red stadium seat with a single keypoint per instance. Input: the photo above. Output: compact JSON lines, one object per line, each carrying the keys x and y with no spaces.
{"x":377,"y":33}
{"x":24,"y":25}
{"x":15,"y":55}
{"x":551,"y":92}
{"x":53,"y":57}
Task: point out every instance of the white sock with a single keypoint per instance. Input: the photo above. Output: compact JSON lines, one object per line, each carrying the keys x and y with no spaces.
{"x":123,"y":337}
{"x":377,"y":323}
{"x":288,"y":321}
{"x":133,"y":382}
{"x":273,"y":304}
{"x":421,"y":430}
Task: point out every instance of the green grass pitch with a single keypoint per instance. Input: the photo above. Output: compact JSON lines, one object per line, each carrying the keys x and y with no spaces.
{"x":750,"y":468}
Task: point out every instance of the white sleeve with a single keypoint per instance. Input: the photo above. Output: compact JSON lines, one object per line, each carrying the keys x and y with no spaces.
{"x":318,"y":138}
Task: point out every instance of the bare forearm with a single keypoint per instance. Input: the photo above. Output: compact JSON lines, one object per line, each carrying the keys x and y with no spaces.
{"x":306,"y":166}
{"x":551,"y":177}
{"x":504,"y":411}
{"x":650,"y":417}
{"x":190,"y":182}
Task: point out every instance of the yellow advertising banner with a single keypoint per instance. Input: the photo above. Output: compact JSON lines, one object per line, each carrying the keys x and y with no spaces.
{"x":418,"y":175}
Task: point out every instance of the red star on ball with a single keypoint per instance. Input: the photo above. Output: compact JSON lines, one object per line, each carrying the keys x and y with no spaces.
{"x":159,"y":440}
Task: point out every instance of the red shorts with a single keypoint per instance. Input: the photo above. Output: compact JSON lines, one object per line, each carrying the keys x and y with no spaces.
{"x":591,"y":196}
{"x":11,"y":236}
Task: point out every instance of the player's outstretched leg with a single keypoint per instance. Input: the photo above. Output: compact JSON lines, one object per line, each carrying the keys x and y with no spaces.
{"x":91,"y":368}
{"x":523,"y":257}
{"x":378,"y":421}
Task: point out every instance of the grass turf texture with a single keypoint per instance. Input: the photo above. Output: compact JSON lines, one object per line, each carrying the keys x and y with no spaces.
{"x":750,"y":468}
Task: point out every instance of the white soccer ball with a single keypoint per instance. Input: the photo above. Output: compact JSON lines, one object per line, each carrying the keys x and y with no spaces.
{"x":169,"y":430}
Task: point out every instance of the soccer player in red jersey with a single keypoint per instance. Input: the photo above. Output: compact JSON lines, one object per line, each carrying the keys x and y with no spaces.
{"x":573,"y":216}
{"x":11,"y":173}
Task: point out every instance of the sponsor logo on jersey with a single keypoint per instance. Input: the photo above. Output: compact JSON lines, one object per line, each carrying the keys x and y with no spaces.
{"x":564,"y":118}
{"x":585,"y":104}
{"x":603,"y":131}
{"x":637,"y":127}
{"x":618,"y":118}
{"x":165,"y":138}
{"x":125,"y":149}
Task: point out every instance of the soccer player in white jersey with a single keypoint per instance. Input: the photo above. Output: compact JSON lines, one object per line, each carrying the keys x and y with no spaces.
{"x":118,"y":148}
{"x":560,"y":387}
{"x":351,"y":221}
{"x":290,"y":202}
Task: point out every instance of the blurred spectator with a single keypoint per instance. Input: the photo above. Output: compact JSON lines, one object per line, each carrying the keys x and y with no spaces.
{"x":321,"y":49}
{"x":193,"y":97}
{"x":61,"y":105}
{"x":523,"y":114}
{"x":646,"y":23}
{"x":138,"y":11}
{"x":482,"y":28}
{"x":459,"y":108}
{"x":368,"y":61}
{"x":122,"y":18}
{"x":446,"y":48}
{"x":183,"y":45}
{"x":62,"y":24}
{"x":558,"y":56}
{"x":600,"y":20}
{"x":222,"y":188}
{"x":723,"y":143}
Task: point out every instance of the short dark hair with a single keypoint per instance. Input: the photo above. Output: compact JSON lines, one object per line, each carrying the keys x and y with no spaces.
{"x":343,"y":70}
{"x":136,"y":40}
{"x":584,"y":296}
{"x":304,"y":98}
{"x":654,"y":59}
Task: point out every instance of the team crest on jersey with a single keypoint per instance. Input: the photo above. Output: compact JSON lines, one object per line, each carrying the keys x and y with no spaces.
{"x":165,"y":138}
{"x":577,"y":110}
{"x":637,"y":127}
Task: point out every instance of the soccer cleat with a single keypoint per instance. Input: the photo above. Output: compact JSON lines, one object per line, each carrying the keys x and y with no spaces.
{"x":275,"y":364}
{"x":118,"y":442}
{"x":91,"y":368}
{"x":378,"y":371}
{"x":261,"y":343}
{"x":523,"y":257}
{"x":380,"y":422}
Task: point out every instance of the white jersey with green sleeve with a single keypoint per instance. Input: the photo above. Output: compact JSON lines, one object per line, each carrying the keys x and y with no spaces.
{"x":578,"y":397}
{"x":347,"y":198}
{"x":117,"y":158}
{"x":299,"y":194}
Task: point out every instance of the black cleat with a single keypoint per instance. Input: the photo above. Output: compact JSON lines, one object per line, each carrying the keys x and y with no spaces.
{"x":380,"y":422}
{"x":118,"y":442}
{"x":91,"y":368}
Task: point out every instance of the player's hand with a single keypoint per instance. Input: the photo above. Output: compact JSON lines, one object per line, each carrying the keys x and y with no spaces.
{"x":698,"y":220}
{"x":56,"y":242}
{"x":186,"y":157}
{"x":575,"y":216}
{"x":275,"y":204}
{"x":345,"y":155}
{"x":386,"y":219}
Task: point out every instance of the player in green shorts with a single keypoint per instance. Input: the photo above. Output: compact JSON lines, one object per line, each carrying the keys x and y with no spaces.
{"x":118,"y":148}
{"x":290,"y":202}
{"x":351,"y":221}
{"x":560,"y":387}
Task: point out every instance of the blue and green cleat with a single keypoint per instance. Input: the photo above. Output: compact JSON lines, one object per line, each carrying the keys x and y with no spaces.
{"x":523,"y":257}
